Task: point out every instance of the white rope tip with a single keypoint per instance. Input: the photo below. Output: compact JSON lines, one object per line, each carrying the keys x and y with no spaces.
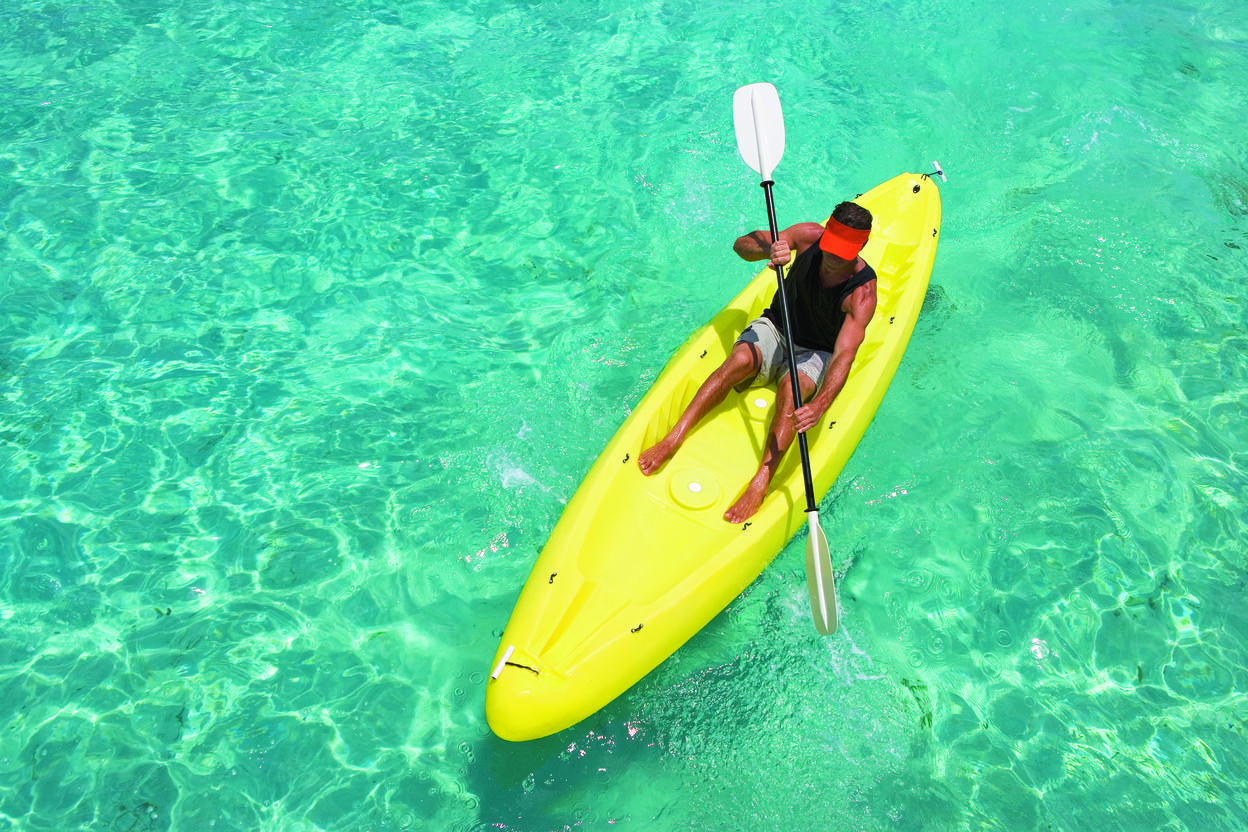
{"x":502,"y":663}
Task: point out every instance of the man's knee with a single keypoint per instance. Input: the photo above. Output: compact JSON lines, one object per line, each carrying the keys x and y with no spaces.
{"x":743,"y":362}
{"x":807,"y":385}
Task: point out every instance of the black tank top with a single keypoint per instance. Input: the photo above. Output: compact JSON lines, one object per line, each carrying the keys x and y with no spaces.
{"x":816,"y":312}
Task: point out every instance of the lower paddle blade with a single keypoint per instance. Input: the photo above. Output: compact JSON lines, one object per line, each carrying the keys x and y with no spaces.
{"x":820,"y":578}
{"x":759,"y":125}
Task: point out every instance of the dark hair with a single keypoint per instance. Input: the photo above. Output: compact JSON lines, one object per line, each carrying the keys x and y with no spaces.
{"x":853,"y":215}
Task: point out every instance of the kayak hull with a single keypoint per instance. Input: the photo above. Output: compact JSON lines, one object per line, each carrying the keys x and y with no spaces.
{"x":637,"y":565}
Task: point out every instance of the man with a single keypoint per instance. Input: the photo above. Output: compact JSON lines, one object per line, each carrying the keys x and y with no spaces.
{"x":831,"y":298}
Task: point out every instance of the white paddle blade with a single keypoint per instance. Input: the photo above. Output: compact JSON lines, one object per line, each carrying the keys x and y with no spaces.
{"x":820,"y":578}
{"x":760,"y":127}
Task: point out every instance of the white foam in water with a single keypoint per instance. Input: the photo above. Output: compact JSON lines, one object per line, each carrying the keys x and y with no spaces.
{"x":513,"y":477}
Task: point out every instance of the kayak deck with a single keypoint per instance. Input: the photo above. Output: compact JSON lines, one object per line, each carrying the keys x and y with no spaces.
{"x":637,"y":565}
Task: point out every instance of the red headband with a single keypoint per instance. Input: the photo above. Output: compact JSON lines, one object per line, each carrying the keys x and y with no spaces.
{"x":842,"y":241}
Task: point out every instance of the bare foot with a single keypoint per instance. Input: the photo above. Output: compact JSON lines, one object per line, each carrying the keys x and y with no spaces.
{"x":652,"y":458}
{"x":748,"y":503}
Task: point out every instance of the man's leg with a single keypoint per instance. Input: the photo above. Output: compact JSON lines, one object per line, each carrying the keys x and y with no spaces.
{"x":780,"y":437}
{"x":741,"y":364}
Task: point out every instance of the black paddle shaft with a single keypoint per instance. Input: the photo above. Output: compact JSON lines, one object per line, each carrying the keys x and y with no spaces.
{"x":788,"y":343}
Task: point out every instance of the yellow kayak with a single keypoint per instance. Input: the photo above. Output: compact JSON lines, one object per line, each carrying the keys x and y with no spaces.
{"x":637,"y":565}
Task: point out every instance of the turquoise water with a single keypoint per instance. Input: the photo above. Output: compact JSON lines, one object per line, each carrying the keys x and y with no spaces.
{"x":313,"y":316}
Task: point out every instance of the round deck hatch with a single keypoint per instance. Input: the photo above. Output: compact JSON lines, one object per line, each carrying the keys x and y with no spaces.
{"x":693,"y":488}
{"x":758,"y":404}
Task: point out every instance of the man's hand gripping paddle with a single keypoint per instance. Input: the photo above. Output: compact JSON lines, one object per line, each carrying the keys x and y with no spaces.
{"x":760,"y":138}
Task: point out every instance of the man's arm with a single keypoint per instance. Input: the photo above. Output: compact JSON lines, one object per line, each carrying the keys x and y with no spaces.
{"x":860,"y":307}
{"x":757,"y":245}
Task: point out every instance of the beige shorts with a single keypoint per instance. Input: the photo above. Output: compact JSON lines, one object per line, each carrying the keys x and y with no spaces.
{"x":773,"y":358}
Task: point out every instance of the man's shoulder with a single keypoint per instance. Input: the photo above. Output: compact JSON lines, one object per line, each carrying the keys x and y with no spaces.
{"x":862,"y":296}
{"x":804,"y":235}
